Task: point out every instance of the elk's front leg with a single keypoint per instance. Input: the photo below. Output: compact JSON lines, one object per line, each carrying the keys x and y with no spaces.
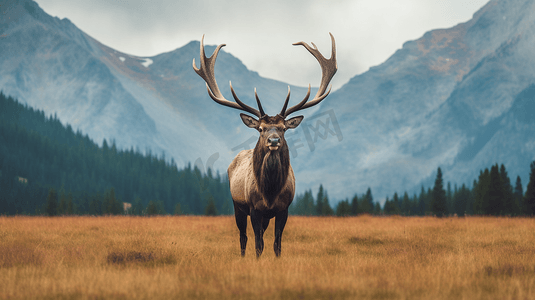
{"x":256,"y":221}
{"x":241,"y":222}
{"x":280,"y":222}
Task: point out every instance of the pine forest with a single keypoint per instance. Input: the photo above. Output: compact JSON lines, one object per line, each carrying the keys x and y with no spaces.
{"x":48,"y":169}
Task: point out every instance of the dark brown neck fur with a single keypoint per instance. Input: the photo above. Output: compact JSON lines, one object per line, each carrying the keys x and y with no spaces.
{"x":271,"y":170}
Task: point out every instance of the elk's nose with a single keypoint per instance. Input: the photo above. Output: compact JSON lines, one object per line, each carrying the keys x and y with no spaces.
{"x":274,"y":141}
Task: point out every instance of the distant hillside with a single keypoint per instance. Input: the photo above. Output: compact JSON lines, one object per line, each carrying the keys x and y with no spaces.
{"x":38,"y":153}
{"x":460,"y":98}
{"x":155,"y":103}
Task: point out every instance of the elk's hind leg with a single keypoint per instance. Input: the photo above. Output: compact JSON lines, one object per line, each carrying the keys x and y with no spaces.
{"x":241,"y":222}
{"x":280,"y":222}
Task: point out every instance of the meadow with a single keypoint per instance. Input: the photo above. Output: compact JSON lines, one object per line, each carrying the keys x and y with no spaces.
{"x":190,"y":257}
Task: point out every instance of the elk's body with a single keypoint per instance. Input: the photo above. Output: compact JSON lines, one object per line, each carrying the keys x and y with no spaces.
{"x":262,"y":182}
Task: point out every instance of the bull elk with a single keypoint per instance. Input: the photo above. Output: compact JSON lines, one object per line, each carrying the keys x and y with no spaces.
{"x":262,"y":182}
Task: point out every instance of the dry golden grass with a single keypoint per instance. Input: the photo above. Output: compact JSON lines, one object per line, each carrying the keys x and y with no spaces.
{"x":332,"y":258}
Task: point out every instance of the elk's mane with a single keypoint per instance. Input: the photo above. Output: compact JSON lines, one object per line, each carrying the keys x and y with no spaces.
{"x":271,"y":170}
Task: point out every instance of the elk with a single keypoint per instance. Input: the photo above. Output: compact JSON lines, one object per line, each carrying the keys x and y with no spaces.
{"x":262,"y":181}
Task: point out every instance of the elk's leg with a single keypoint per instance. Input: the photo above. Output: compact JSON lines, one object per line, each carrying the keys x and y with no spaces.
{"x":280,"y":222}
{"x":241,"y":221}
{"x":256,"y":220}
{"x":265,"y":224}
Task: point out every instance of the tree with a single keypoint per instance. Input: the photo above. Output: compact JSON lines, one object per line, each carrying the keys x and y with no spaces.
{"x":343,"y":208}
{"x":210,"y":209}
{"x":303,"y":205}
{"x":327,"y":209}
{"x":439,"y":207}
{"x":308,"y":203}
{"x":518,"y":195}
{"x":406,"y":205}
{"x":51,"y":203}
{"x":422,"y":202}
{"x":62,"y":205}
{"x":509,"y":201}
{"x":369,"y":198}
{"x":137,"y":207}
{"x":529,"y":197}
{"x":481,"y":193}
{"x":355,"y":209}
{"x":396,"y":204}
{"x":319,"y":201}
{"x":388,"y":208}
{"x":153,"y":208}
{"x":178,"y":210}
{"x":449,"y":198}
{"x":69,"y":209}
{"x":460,"y":200}
{"x":495,"y":193}
{"x":377,"y":209}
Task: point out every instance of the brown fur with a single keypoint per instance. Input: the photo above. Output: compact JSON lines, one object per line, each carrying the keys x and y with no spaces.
{"x":263,"y":175}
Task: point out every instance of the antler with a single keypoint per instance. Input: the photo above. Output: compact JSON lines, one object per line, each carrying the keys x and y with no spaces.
{"x":328,"y":69}
{"x":206,"y":71}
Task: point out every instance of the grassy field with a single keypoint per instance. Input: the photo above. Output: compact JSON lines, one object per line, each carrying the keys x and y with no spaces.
{"x":322,"y":258}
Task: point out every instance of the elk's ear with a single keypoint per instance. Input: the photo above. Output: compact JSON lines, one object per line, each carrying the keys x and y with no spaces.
{"x":249,"y":121}
{"x":293,"y":122}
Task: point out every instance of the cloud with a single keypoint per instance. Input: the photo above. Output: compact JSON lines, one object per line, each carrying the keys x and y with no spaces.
{"x":261,"y":33}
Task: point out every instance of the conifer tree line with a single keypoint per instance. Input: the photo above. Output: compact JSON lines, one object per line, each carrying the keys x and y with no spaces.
{"x":491,"y":194}
{"x":47,"y":168}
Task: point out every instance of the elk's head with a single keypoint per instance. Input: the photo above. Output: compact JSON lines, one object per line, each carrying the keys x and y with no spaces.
{"x":271,"y":128}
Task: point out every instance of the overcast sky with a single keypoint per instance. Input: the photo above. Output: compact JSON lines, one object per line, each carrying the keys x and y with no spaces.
{"x":261,"y":33}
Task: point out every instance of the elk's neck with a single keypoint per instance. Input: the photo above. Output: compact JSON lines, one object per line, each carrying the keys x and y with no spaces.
{"x":271,"y":170}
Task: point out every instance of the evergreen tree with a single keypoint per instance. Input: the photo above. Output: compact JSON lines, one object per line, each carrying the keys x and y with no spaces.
{"x":406,"y":205}
{"x":396,"y":205}
{"x":529,"y":197}
{"x":210,"y":209}
{"x":377,"y":209}
{"x":518,"y":195}
{"x":388,"y":207}
{"x":178,"y":210}
{"x":303,"y":205}
{"x":439,"y":207}
{"x":137,"y":207}
{"x":326,"y":206}
{"x":509,"y":201}
{"x":471,"y":200}
{"x":354,"y":206}
{"x":449,"y":199}
{"x":481,"y":193}
{"x":495,"y":193}
{"x":95,"y":205}
{"x":369,"y":197}
{"x":62,"y":205}
{"x":319,"y":201}
{"x":343,"y":208}
{"x":152,"y":208}
{"x":51,"y":203}
{"x":309,"y":207}
{"x":69,"y":210}
{"x":421,"y":202}
{"x":112,"y":205}
{"x":461,"y":199}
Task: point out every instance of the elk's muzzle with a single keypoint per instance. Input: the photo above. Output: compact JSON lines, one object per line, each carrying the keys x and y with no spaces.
{"x":273,"y":142}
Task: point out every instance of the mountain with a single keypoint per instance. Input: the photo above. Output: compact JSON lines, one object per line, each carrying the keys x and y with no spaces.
{"x":461,"y":98}
{"x":154,"y":103}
